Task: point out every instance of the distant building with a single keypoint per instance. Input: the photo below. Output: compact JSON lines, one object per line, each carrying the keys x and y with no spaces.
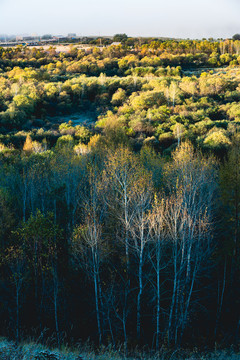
{"x":31,"y":38}
{"x":19,"y":38}
{"x":47,"y":37}
{"x":72,"y":36}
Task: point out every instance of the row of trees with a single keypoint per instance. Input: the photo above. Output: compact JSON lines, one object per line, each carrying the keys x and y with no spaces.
{"x":142,"y":246}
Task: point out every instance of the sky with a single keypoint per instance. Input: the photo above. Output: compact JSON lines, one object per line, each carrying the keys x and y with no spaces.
{"x":170,"y":18}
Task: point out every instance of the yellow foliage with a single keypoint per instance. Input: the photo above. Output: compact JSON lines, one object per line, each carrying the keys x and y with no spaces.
{"x":28,"y":145}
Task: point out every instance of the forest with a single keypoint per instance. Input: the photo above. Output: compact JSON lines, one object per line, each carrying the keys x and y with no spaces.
{"x":120,"y":195}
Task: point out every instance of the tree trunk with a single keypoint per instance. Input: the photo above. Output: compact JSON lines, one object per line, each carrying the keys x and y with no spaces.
{"x":97,"y":298}
{"x":158,"y":300}
{"x":56,"y":307}
{"x":17,"y":314}
{"x":139,"y":295}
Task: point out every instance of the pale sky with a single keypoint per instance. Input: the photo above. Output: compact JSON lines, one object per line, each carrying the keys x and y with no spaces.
{"x":173,"y":18}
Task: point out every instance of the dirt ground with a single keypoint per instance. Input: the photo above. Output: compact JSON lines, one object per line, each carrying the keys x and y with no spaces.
{"x":60,"y":47}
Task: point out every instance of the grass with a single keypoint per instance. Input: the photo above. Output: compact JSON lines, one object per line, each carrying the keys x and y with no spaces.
{"x":34,"y":351}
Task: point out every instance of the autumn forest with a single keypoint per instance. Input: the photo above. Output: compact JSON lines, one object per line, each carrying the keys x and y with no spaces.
{"x":120,"y":194}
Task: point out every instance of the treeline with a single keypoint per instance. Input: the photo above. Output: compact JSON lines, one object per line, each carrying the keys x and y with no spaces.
{"x":186,"y":53}
{"x":119,"y":246}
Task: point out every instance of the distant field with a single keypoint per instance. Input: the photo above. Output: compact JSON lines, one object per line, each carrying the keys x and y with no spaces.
{"x":59,"y":48}
{"x":64,"y":48}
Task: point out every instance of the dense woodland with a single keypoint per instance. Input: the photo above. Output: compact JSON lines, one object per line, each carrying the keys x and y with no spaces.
{"x":123,"y":229}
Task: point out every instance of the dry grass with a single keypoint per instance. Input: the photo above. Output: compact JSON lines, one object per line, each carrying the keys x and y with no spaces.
{"x":33,"y":351}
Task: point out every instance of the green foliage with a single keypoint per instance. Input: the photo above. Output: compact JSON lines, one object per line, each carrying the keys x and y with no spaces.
{"x":82,"y":133}
{"x":217,"y":139}
{"x":65,"y":141}
{"x":119,"y":97}
{"x":98,"y":140}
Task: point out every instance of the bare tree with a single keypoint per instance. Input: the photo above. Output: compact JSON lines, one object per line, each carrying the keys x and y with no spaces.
{"x":88,"y":242}
{"x":122,"y":176}
{"x":156,"y":253}
{"x":122,"y":179}
{"x":140,"y":235}
{"x":188,"y":220}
